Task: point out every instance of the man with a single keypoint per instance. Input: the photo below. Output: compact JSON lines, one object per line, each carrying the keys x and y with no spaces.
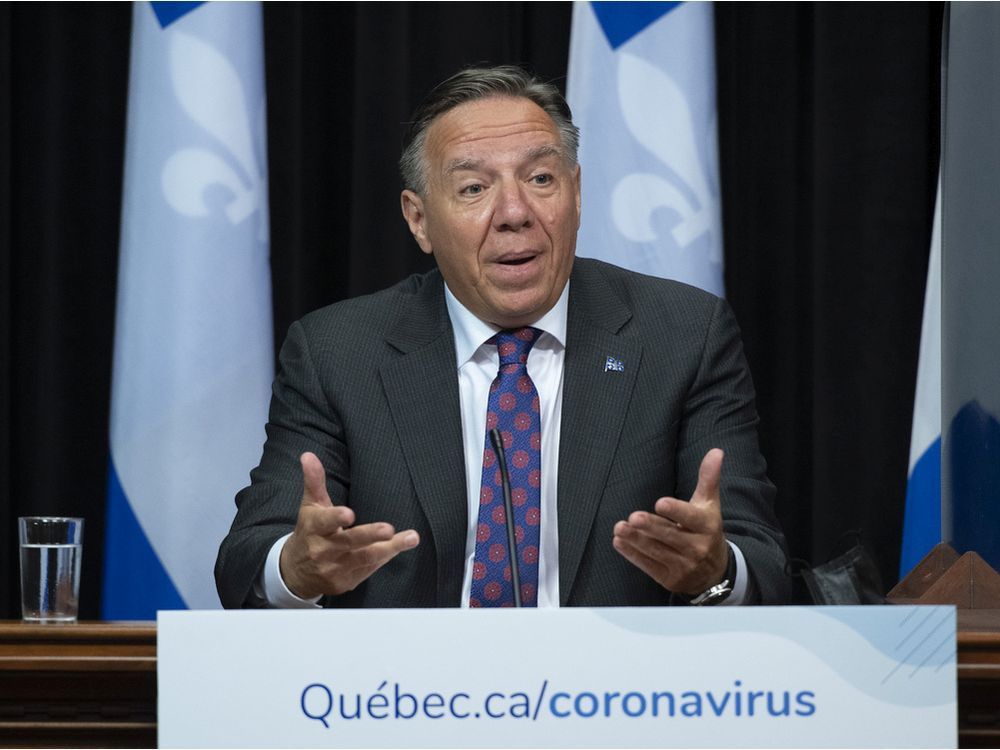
{"x":624,"y":404}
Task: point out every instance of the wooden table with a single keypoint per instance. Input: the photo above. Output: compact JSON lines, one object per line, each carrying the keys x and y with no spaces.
{"x":94,"y":684}
{"x":88,"y":684}
{"x":979,"y":678}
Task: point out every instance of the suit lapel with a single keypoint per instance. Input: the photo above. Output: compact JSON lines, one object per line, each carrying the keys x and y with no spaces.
{"x":595,"y":401}
{"x":422,"y":390}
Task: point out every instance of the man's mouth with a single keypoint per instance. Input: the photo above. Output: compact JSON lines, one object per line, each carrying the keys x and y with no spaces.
{"x":516,"y":259}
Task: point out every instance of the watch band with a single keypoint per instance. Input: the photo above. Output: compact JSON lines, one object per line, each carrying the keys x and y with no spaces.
{"x":720,"y":591}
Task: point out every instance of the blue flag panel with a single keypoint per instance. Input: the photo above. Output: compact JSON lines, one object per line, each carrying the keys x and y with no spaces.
{"x":922,"y":519}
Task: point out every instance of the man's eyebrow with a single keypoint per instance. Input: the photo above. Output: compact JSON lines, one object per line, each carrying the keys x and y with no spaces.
{"x":462,"y":165}
{"x":542,"y":152}
{"x":532,"y":154}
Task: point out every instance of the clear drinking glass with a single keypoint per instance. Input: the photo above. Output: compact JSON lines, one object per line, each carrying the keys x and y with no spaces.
{"x":51,"y":548}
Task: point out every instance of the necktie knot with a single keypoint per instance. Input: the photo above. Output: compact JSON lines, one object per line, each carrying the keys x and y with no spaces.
{"x":513,"y":345}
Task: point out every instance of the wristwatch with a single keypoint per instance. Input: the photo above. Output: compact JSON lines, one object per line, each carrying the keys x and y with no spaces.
{"x":720,"y":591}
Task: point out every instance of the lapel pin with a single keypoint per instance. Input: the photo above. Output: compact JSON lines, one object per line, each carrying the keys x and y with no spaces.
{"x":614,"y":365}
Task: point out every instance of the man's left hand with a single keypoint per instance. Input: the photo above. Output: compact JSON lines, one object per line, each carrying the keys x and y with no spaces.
{"x":681,"y":545}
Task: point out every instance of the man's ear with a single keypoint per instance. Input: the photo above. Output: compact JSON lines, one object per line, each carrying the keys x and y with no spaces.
{"x":413,"y":211}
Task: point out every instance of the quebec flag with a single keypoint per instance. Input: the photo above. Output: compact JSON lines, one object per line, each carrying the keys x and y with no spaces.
{"x":922,"y":519}
{"x":193,"y":355}
{"x":642,"y":89}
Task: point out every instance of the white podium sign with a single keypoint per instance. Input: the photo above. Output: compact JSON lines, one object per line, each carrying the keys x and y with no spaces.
{"x":637,"y":677}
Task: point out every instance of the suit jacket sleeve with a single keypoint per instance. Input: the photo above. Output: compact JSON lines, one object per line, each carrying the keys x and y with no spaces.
{"x":300,"y":420}
{"x":633,"y":436}
{"x":719,"y":411}
{"x":346,"y":391}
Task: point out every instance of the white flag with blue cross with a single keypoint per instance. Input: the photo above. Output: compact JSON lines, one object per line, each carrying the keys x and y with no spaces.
{"x":193,"y":355}
{"x":642,"y":90}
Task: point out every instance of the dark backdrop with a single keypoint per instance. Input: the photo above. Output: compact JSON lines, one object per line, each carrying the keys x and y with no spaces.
{"x":828,"y":139}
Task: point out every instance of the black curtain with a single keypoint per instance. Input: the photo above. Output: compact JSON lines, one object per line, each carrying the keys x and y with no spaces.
{"x":828,"y":149}
{"x":63,"y":74}
{"x":829,"y":128}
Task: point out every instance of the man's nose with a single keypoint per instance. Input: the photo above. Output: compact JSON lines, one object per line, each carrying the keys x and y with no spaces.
{"x":513,"y":211}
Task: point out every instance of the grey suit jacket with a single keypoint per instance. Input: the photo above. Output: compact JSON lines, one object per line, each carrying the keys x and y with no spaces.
{"x":370,"y":385}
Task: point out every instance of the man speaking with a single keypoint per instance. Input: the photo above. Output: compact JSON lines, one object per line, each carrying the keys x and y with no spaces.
{"x":624,"y":468}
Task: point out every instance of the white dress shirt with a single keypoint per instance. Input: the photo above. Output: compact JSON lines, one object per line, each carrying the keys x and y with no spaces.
{"x":478,"y":363}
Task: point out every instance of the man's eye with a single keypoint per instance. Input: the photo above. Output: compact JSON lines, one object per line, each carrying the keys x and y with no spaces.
{"x":542,"y":179}
{"x":472,"y":189}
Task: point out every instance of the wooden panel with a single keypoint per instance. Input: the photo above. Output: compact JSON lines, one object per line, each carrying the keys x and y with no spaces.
{"x":77,"y":685}
{"x":979,"y":678}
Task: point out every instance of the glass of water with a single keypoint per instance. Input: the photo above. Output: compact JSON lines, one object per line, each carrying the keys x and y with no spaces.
{"x":51,"y":549}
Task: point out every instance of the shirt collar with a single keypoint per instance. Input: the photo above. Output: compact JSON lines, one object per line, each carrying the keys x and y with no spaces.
{"x":471,"y":332}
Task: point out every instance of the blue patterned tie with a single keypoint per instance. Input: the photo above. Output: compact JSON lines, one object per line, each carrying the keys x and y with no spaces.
{"x":514,"y":410}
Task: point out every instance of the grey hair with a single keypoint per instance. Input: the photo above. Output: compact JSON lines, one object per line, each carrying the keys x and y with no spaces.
{"x":472,"y":84}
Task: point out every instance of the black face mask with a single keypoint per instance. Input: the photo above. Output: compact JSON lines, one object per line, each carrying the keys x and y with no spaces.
{"x":849,"y":578}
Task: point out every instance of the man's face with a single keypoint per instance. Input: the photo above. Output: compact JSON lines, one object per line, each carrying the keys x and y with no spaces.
{"x":501,"y":209}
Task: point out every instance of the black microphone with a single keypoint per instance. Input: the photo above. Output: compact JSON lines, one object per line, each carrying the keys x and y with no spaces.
{"x":508,"y":507}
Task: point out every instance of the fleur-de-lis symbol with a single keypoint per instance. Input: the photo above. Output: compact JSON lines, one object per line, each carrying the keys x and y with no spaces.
{"x":210,"y":92}
{"x":659,"y":118}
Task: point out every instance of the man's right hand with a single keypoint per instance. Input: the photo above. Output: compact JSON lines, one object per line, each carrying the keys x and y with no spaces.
{"x":326,"y":554}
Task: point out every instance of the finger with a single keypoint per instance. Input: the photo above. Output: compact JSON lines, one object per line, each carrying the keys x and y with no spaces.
{"x":314,"y":481}
{"x":378,"y":554}
{"x":709,"y":476}
{"x":685,"y":572}
{"x":365,"y":546}
{"x":324,"y":520}
{"x":665,"y":569}
{"x":364,"y":535}
{"x":700,"y":518}
{"x":360,"y":564}
{"x":329,"y":565}
{"x":656,"y":536}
